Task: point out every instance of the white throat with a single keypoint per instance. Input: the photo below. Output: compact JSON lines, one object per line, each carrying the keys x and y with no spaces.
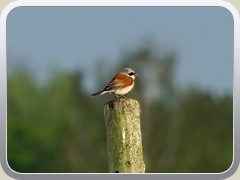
{"x":132,"y":77}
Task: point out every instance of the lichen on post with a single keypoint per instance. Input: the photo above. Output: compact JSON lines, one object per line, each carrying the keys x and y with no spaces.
{"x":124,"y":140}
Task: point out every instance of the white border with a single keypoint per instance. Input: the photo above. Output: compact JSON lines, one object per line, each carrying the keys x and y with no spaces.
{"x":236,"y":88}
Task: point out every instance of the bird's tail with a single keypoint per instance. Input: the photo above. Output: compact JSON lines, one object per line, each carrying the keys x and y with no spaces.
{"x":99,"y":93}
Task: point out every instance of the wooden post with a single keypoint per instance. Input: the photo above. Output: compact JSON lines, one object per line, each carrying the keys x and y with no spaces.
{"x":124,"y":140}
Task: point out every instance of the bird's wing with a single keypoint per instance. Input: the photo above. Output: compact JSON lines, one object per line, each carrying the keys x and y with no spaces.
{"x":119,"y":81}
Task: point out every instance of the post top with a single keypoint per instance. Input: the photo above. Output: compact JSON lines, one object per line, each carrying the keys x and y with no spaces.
{"x":122,"y":100}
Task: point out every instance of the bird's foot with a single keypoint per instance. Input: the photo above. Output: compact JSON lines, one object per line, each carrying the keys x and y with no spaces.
{"x":119,"y":96}
{"x":122,"y":96}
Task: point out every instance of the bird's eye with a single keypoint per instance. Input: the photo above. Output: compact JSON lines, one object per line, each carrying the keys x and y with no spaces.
{"x":131,"y":73}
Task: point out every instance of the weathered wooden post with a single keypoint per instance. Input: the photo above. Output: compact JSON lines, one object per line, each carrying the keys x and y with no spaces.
{"x":124,"y":140}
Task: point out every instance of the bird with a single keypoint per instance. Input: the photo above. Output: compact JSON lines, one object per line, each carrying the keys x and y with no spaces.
{"x":120,"y":84}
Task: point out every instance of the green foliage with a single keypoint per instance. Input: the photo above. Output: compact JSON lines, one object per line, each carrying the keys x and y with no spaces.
{"x":197,"y":136}
{"x":60,"y":128}
{"x":53,"y":129}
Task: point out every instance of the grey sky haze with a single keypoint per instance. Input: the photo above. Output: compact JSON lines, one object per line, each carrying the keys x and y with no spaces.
{"x":75,"y":37}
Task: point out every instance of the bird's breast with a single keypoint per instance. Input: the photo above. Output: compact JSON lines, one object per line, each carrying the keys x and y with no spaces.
{"x":124,"y":90}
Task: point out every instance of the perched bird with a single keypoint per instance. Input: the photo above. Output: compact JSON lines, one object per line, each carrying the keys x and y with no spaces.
{"x":120,"y":84}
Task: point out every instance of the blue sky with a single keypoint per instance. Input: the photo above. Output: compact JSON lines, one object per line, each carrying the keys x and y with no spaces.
{"x":76,"y":37}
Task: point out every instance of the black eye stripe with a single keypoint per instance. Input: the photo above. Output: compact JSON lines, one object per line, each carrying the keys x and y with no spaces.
{"x":131,"y":73}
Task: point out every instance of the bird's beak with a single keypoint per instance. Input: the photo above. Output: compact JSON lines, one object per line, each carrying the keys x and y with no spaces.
{"x":135,"y":74}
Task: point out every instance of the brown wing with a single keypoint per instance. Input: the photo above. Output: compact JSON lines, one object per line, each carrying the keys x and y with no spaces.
{"x":119,"y":81}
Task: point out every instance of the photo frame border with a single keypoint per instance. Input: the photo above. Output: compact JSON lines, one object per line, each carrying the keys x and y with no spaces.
{"x":122,"y":3}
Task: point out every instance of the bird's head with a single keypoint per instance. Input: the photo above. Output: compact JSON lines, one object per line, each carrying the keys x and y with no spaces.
{"x":129,"y":72}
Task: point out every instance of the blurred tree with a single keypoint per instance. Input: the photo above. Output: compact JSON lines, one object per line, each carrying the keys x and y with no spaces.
{"x":51,"y":129}
{"x":197,"y":136}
